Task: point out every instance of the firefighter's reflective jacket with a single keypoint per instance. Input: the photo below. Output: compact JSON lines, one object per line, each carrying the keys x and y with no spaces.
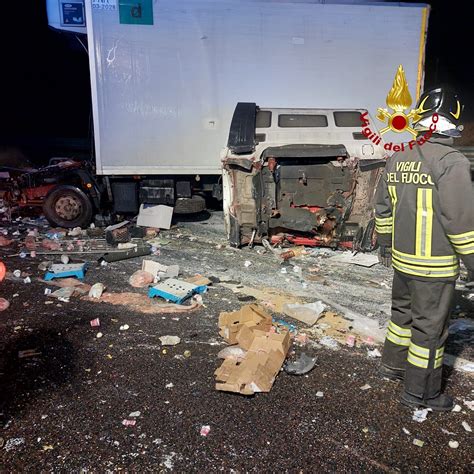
{"x":425,"y":211}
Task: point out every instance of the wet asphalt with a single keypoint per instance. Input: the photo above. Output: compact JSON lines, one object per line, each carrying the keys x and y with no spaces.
{"x":65,"y":404}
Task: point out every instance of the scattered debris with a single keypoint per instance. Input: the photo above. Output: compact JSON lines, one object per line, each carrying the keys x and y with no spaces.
{"x":13,"y":443}
{"x":453,"y":444}
{"x":159,"y":271}
{"x":4,"y":304}
{"x":366,"y":387}
{"x":250,"y":316}
{"x":247,"y":263}
{"x":292,"y":253}
{"x":175,"y":290}
{"x":448,"y":432}
{"x":134,"y":414}
{"x":302,"y":365}
{"x":374,"y":353}
{"x":205,"y":430}
{"x":141,"y":279}
{"x":362,"y":259}
{"x":96,"y":290}
{"x":169,"y":385}
{"x":187,"y":354}
{"x":76,"y":270}
{"x":466,"y":426}
{"x":141,"y":303}
{"x":95,"y":322}
{"x":469,"y":404}
{"x":28,"y":353}
{"x":63,"y":294}
{"x":329,"y":342}
{"x":169,"y":340}
{"x":405,"y":431}
{"x":350,"y":340}
{"x":320,"y":394}
{"x":457,"y":408}
{"x":418,"y":442}
{"x":308,"y":313}
{"x":420,"y":415}
{"x":158,"y":217}
{"x":129,"y":422}
{"x":124,"y":327}
{"x":98,"y":335}
{"x":232,"y":352}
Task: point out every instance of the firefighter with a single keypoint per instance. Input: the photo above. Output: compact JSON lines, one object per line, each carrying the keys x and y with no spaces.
{"x":424,"y":222}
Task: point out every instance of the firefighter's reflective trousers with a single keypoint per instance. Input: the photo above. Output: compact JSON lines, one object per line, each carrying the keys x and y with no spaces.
{"x":417,"y":332}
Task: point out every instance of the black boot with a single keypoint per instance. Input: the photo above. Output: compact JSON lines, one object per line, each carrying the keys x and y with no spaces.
{"x":442,"y":402}
{"x":391,"y":374}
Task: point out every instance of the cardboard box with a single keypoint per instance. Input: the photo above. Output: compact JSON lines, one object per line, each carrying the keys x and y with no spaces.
{"x":251,"y":316}
{"x":266,"y":352}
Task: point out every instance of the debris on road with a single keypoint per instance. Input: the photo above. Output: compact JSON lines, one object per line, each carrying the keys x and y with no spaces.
{"x":134,"y":414}
{"x":466,"y":426}
{"x":4,"y":304}
{"x":169,"y":340}
{"x":158,"y":217}
{"x":129,"y":422}
{"x":13,"y":443}
{"x":351,"y":340}
{"x":141,"y":279}
{"x":124,"y":327}
{"x":205,"y":430}
{"x":457,"y":408}
{"x":95,"y":322}
{"x":250,"y":316}
{"x":76,"y":270}
{"x":418,"y":442}
{"x":362,"y":259}
{"x":266,"y":351}
{"x":300,"y":366}
{"x":420,"y":415}
{"x":329,"y":342}
{"x":177,"y":291}
{"x":96,"y":290}
{"x":160,"y":271}
{"x":232,"y":352}
{"x":63,"y":294}
{"x":98,"y":335}
{"x":366,"y":387}
{"x":308,"y":313}
{"x":453,"y":444}
{"x":374,"y":353}
{"x":320,"y":394}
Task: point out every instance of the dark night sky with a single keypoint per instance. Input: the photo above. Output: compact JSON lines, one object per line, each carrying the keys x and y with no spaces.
{"x":45,"y":85}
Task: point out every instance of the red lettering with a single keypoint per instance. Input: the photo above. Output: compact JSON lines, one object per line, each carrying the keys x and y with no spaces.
{"x":396,"y":148}
{"x":388,"y":146}
{"x":435,"y":117}
{"x":366,"y":131}
{"x":364,"y":119}
{"x":412,"y":144}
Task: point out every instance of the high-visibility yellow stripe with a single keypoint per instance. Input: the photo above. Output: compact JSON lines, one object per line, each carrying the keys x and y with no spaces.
{"x":438,"y":363}
{"x":384,"y":220}
{"x":404,"y":332}
{"x":419,"y":350}
{"x":459,"y":238}
{"x":429,"y":221}
{"x":417,"y":361}
{"x":399,"y":341}
{"x":448,"y":259}
{"x":439,"y":352}
{"x":386,"y":229}
{"x":425,"y":266}
{"x":425,"y":273}
{"x":424,"y":222}
{"x":431,"y":260}
{"x":464,"y":249}
{"x":392,"y":191}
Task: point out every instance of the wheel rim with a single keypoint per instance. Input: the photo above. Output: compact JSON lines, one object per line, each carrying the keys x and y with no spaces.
{"x":68,"y":207}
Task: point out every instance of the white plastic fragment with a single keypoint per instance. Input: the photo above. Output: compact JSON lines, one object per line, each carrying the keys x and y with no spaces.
{"x":457,"y":408}
{"x":96,"y":290}
{"x":247,"y":263}
{"x":469,"y":404}
{"x":420,"y":415}
{"x":169,"y":340}
{"x":13,"y":443}
{"x":124,"y":327}
{"x":366,"y":387}
{"x":320,"y":394}
{"x":418,"y":442}
{"x":374,"y":353}
{"x":405,"y":431}
{"x":64,"y":259}
{"x":169,"y":385}
{"x":466,"y":426}
{"x":134,"y":414}
{"x":17,"y":273}
{"x":453,"y":444}
{"x":98,"y":335}
{"x":447,"y":432}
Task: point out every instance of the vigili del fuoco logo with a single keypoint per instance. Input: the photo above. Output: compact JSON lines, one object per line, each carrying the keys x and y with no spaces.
{"x":398,"y":100}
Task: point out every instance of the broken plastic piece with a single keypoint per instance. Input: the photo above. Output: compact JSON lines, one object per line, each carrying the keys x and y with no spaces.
{"x":62,"y":271}
{"x":205,"y":430}
{"x":96,"y":290}
{"x":175,"y":290}
{"x":302,"y":365}
{"x":307,"y":313}
{"x":170,"y":340}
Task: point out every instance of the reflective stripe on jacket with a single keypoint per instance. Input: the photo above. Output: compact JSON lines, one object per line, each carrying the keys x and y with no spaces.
{"x":424,"y":210}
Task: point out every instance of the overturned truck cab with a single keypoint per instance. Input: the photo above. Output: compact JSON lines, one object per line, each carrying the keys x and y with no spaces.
{"x":304,"y":176}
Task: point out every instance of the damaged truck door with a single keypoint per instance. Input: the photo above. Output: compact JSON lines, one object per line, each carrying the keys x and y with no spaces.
{"x":306,"y":176}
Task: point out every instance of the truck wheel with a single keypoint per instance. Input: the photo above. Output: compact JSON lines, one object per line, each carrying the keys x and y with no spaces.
{"x":191,"y":205}
{"x":68,"y":206}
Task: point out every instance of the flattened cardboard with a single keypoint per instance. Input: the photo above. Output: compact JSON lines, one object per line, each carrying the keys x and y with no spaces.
{"x":251,"y":316}
{"x":158,"y":217}
{"x":266,"y":351}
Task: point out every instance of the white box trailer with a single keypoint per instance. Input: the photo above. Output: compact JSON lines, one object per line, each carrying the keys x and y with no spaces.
{"x":166,"y":75}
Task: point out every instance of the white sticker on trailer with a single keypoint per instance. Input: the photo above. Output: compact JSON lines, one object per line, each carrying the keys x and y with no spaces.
{"x":110,"y":5}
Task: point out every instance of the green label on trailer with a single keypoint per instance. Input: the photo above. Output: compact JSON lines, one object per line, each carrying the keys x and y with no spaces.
{"x":138,"y":12}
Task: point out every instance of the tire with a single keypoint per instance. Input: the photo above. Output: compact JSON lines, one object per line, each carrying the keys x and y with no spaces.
{"x":191,"y":205}
{"x":68,"y":206}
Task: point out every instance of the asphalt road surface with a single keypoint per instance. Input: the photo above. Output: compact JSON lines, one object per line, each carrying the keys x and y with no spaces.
{"x":62,"y":405}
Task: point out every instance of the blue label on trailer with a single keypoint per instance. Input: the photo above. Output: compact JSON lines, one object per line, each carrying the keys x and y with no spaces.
{"x":73,"y":14}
